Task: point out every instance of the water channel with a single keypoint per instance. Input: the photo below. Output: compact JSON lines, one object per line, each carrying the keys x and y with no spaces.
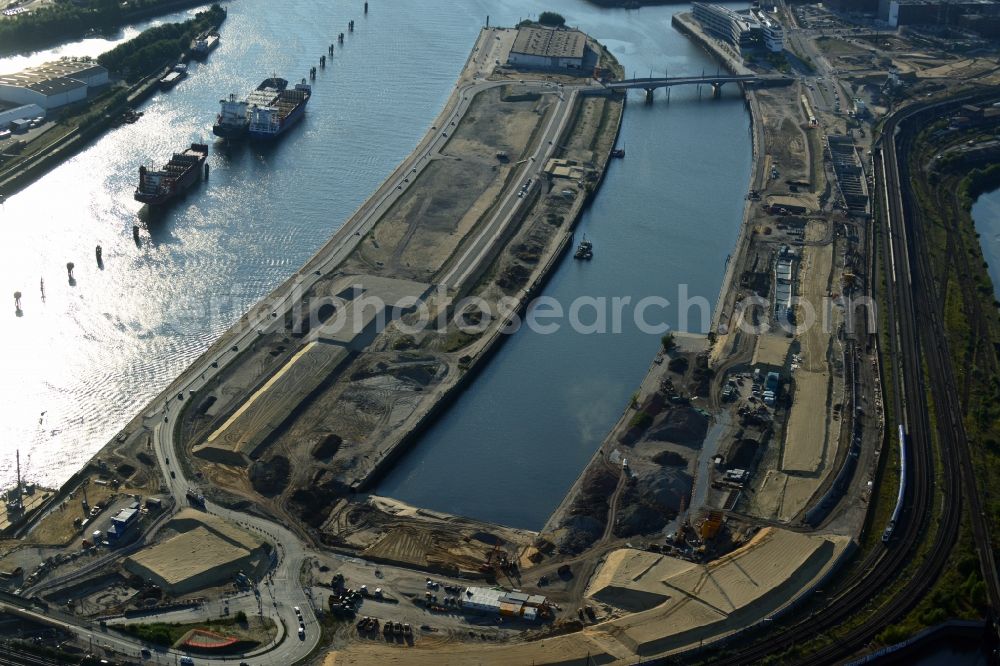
{"x":986,"y":214}
{"x":80,"y":364}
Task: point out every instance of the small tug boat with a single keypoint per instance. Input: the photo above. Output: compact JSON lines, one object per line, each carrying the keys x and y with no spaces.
{"x":585,"y":250}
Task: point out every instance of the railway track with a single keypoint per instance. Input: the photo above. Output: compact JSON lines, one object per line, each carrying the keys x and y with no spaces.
{"x":916,"y":333}
{"x":951,"y":426}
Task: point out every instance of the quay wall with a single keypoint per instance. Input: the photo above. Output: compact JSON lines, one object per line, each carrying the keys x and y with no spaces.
{"x":686,"y":24}
{"x":496,"y":337}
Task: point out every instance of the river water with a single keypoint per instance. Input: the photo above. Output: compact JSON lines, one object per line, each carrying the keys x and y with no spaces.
{"x":80,"y":364}
{"x":90,"y":46}
{"x":986,"y":214}
{"x":666,"y":216}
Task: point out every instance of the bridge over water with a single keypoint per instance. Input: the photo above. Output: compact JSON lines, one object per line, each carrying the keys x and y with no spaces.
{"x":716,"y":81}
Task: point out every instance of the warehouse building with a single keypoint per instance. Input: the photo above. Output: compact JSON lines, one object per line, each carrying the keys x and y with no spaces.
{"x":13,"y":112}
{"x":206,"y":551}
{"x":53,"y":84}
{"x":537,"y":47}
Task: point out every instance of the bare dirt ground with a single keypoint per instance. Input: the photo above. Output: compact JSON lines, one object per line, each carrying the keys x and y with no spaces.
{"x":336,"y":434}
{"x":425,"y":226}
{"x":787,"y":147}
{"x":805,"y":442}
{"x":810,"y":434}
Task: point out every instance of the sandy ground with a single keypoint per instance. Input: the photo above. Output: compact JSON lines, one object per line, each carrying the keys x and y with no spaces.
{"x":425,"y":226}
{"x":806,"y":434}
{"x":783,"y":496}
{"x":807,"y":454}
{"x":805,"y":437}
{"x":257,"y":418}
{"x":704,"y":600}
{"x":203,"y":543}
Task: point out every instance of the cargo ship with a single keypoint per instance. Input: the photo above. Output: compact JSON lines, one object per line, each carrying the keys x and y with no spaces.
{"x":175,"y":76}
{"x":287,"y":108}
{"x":233,"y":120}
{"x":180,"y":173}
{"x":203,"y":45}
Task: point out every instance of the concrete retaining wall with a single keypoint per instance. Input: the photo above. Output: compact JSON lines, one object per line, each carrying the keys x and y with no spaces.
{"x":495,"y":341}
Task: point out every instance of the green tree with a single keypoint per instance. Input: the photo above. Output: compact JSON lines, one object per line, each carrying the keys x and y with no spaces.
{"x":551,"y":19}
{"x":158,"y":47}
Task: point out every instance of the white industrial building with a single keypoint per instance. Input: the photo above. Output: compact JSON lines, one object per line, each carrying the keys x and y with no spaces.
{"x":53,"y":84}
{"x":725,"y":23}
{"x":771,"y":31}
{"x":494,"y":601}
{"x":548,"y":48}
{"x":742,"y":30}
{"x":19,"y":112}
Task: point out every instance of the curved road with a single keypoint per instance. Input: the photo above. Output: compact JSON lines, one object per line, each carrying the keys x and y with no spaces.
{"x":281,"y":591}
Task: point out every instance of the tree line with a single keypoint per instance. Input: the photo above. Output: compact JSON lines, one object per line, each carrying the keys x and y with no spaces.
{"x":157,"y":47}
{"x":66,"y":19}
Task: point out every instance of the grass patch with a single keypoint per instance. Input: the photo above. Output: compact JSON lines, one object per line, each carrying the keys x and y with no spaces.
{"x":456,"y":339}
{"x":256,"y":629}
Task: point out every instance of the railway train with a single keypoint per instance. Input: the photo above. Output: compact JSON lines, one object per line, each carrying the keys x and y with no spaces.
{"x":894,"y":519}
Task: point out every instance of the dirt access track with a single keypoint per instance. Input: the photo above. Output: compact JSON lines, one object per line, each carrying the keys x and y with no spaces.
{"x":684,"y":602}
{"x":460,"y":184}
{"x":420,"y":231}
{"x":317,"y":402}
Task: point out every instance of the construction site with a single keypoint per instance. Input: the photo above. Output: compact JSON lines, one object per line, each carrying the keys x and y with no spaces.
{"x":735,"y":484}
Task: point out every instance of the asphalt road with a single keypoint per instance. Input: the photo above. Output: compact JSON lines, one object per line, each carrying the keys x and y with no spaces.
{"x":515,"y":198}
{"x":284,"y":591}
{"x":281,"y":592}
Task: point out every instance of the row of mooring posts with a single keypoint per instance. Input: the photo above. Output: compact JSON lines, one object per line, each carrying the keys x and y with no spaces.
{"x":99,"y":252}
{"x":71,"y":278}
{"x":329,"y":50}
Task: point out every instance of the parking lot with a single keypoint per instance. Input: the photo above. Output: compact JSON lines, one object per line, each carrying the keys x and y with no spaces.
{"x":9,"y":139}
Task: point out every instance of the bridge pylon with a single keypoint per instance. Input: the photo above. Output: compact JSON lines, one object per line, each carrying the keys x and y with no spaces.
{"x":649,"y":95}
